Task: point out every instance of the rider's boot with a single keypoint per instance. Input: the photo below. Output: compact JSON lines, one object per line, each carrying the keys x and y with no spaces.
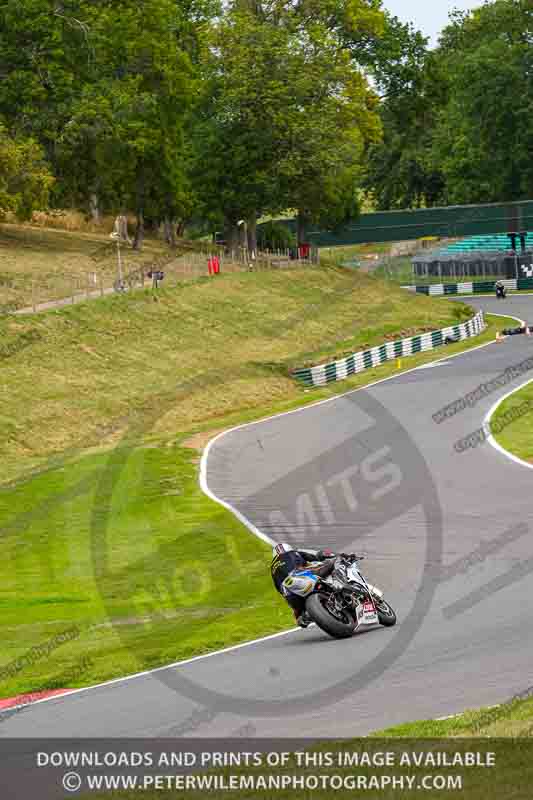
{"x":303,"y":620}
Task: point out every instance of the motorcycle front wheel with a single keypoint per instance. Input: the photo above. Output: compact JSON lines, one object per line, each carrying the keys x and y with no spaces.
{"x":386,"y":614}
{"x":339,"y":627}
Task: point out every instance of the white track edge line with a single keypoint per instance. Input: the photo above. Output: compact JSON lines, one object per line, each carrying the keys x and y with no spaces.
{"x":506,"y":316}
{"x":205,"y":455}
{"x":486,"y":425}
{"x":203,"y":461}
{"x":461,"y":713}
{"x":145,"y":673}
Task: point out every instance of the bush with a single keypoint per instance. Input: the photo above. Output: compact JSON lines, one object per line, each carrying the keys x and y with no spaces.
{"x":275,"y":236}
{"x":70,"y":220}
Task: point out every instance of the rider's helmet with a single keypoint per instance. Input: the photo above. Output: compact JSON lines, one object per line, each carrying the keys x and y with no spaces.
{"x":281,"y":548}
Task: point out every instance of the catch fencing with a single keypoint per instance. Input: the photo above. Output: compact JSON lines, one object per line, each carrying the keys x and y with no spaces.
{"x":474,"y":264}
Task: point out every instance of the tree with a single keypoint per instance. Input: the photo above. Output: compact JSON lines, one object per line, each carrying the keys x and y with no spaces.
{"x":483,"y":139}
{"x":329,"y":127}
{"x":286,"y":115}
{"x":402,"y":172}
{"x":45,"y":57}
{"x":126,"y":126}
{"x":106,"y":89}
{"x":25,"y":181}
{"x":236,"y":142}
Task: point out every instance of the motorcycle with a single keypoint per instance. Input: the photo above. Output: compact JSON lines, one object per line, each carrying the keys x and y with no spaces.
{"x":501,"y":291}
{"x":343,"y":602}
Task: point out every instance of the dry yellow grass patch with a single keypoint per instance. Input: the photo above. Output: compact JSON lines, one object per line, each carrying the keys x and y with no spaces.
{"x":80,"y":376}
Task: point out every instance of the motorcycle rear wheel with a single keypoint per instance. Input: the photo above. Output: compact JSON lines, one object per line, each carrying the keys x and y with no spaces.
{"x":325,"y":620}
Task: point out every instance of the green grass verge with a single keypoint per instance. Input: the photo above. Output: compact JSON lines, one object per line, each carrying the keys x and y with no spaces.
{"x":517,"y":436}
{"x":513,"y":719}
{"x":122,"y":544}
{"x":506,"y":772}
{"x":499,"y":737}
{"x":127,"y":549}
{"x":509,"y":777}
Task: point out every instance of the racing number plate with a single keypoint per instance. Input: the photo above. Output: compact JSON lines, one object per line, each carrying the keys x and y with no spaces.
{"x":369,"y":613}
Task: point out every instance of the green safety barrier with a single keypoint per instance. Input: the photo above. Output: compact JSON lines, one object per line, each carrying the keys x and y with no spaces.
{"x":366,"y":359}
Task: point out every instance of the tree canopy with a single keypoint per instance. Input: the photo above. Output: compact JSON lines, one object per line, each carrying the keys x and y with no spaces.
{"x":456,"y":118}
{"x":178,"y":110}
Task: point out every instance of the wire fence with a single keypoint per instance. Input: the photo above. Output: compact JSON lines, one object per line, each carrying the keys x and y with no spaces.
{"x":26,"y":292}
{"x":444,"y":268}
{"x":193,"y":265}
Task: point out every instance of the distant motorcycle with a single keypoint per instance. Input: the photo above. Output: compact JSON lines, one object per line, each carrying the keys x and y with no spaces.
{"x":343,"y":602}
{"x":501,"y":291}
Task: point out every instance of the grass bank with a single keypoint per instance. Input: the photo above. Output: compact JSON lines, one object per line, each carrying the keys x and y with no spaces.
{"x":185,"y":357}
{"x":103,"y":525}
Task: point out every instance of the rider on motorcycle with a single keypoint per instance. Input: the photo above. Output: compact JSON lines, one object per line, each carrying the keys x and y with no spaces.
{"x":501,"y":290}
{"x":285,"y":560}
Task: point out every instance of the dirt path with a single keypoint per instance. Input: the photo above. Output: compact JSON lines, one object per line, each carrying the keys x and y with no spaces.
{"x":66,"y":301}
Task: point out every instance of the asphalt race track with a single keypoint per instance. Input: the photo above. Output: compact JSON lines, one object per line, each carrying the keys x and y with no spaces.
{"x":448,"y":535}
